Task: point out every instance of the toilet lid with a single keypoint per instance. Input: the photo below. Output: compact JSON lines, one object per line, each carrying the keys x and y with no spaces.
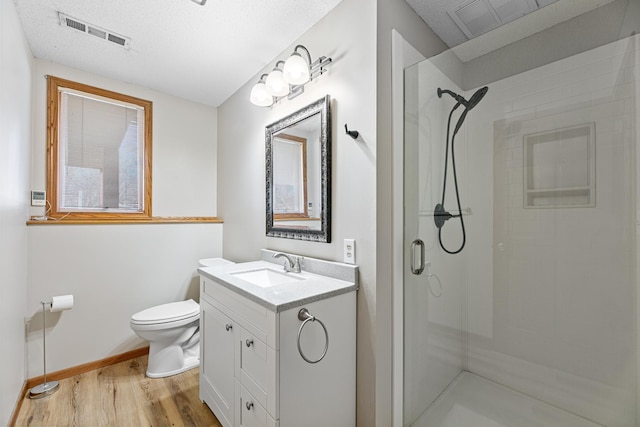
{"x":167,"y":312}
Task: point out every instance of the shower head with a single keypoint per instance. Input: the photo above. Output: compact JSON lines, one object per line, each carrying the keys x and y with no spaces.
{"x":468,"y":105}
{"x":476,"y":97}
{"x":472,"y":102}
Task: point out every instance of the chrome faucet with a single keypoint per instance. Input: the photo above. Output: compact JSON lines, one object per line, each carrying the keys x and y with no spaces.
{"x":289,"y":264}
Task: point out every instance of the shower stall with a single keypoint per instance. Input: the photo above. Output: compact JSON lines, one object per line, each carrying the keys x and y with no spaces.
{"x":534,"y":322}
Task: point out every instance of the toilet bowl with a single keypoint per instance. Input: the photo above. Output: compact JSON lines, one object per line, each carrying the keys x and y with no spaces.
{"x":173,"y":333}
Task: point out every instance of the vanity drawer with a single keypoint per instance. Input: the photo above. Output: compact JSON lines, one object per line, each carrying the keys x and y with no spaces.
{"x":251,"y":315}
{"x":249,"y":412}
{"x":257,"y":374}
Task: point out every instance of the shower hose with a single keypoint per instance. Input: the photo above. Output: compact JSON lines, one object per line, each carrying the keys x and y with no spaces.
{"x":455,"y":183}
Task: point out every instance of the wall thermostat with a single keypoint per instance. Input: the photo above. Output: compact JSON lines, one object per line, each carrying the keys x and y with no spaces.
{"x":38,"y":198}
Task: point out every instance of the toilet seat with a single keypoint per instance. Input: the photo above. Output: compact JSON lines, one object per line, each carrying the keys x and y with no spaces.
{"x":173,"y":312}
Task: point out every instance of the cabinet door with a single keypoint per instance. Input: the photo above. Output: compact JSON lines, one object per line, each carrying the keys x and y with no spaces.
{"x":218,"y":343}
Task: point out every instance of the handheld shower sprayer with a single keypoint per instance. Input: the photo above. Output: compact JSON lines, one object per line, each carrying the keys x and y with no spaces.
{"x":440,"y":214}
{"x":468,"y":105}
{"x":472,"y":102}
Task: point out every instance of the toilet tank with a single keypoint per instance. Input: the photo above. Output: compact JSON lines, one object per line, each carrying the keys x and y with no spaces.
{"x":213,"y":262}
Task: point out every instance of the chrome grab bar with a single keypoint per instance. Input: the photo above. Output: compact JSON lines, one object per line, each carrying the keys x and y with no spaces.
{"x":417,"y":270}
{"x":305,"y":317}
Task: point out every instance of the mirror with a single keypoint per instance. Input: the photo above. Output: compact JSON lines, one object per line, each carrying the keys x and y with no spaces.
{"x":298,"y":166}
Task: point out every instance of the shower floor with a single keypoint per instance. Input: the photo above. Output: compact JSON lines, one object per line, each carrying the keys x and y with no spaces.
{"x":474,"y":401}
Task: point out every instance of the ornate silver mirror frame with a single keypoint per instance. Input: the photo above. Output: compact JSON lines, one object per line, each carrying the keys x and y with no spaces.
{"x":317,"y":112}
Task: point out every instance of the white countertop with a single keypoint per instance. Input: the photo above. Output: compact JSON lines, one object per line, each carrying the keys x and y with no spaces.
{"x":312,"y":287}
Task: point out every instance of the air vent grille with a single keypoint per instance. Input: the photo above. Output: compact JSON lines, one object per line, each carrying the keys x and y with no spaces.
{"x":115,"y":39}
{"x":75,"y":24}
{"x":476,"y":17}
{"x":86,"y":28}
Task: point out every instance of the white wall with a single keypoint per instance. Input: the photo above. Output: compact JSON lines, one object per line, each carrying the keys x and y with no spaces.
{"x":113,"y":271}
{"x":15,"y":133}
{"x":117,"y":270}
{"x":347,"y":35}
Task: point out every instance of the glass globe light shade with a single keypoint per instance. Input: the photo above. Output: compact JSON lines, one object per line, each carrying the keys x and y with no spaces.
{"x":296,"y":70}
{"x":260,"y":96}
{"x":276,"y":85}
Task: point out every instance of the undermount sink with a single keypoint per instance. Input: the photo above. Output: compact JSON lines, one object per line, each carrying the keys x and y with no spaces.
{"x":267,"y":277}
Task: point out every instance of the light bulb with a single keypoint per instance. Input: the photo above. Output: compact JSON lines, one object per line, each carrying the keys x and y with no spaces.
{"x":260,"y":96}
{"x":276,"y":85}
{"x":296,"y":70}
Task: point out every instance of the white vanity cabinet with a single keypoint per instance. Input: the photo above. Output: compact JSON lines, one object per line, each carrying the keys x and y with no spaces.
{"x":252,"y":372}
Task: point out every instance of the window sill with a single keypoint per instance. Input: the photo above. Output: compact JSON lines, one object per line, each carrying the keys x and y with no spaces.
{"x":155,"y":220}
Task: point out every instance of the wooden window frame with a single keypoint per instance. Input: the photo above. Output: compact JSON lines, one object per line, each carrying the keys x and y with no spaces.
{"x":53,"y":110}
{"x":305,"y":213}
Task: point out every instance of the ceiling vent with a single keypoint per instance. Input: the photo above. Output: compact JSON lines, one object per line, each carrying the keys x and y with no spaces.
{"x":76,"y":24}
{"x":476,"y":17}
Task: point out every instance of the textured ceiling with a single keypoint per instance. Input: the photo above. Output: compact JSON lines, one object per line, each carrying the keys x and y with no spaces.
{"x":549,"y":13}
{"x":202,"y":53}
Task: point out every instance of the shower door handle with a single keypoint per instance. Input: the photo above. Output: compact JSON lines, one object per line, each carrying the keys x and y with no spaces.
{"x":420,"y":268}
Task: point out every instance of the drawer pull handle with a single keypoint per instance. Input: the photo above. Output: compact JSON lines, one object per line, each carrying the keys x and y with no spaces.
{"x":249,"y":405}
{"x":249,"y":342}
{"x":306,"y":317}
{"x":228,"y":327}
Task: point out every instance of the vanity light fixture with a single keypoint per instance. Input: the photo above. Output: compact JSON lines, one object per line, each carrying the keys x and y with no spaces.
{"x":297,"y":71}
{"x":200,"y":2}
{"x":260,"y":96}
{"x":289,"y":80}
{"x":276,"y":85}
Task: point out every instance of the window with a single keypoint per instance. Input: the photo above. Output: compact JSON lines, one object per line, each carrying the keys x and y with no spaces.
{"x":98,"y":153}
{"x":289,"y":177}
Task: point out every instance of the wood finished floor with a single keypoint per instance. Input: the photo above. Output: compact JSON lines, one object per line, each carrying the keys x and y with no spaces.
{"x":121,"y":395}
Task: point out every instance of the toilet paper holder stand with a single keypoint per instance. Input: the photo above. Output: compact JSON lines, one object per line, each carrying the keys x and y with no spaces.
{"x":64,"y":302}
{"x":46,"y":388}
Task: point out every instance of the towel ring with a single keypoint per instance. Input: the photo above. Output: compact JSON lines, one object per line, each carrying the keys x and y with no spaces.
{"x":305,"y":317}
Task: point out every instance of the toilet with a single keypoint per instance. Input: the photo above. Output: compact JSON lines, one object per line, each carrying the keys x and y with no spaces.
{"x":173,"y":333}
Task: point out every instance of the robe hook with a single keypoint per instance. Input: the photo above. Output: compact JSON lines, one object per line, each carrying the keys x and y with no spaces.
{"x":352,"y":133}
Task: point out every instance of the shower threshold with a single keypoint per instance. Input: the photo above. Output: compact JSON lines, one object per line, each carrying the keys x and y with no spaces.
{"x":471,"y":400}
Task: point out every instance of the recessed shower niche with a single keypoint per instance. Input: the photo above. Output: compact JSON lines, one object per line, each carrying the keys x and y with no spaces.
{"x":559,"y":168}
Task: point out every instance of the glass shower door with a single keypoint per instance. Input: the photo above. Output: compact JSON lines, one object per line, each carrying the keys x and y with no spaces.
{"x":433,"y":281}
{"x":543,"y":301}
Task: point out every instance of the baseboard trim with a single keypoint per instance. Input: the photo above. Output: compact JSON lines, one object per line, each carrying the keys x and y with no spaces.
{"x":81,"y":369}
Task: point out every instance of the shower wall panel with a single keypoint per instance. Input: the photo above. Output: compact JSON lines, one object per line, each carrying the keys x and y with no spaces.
{"x":556,"y":317}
